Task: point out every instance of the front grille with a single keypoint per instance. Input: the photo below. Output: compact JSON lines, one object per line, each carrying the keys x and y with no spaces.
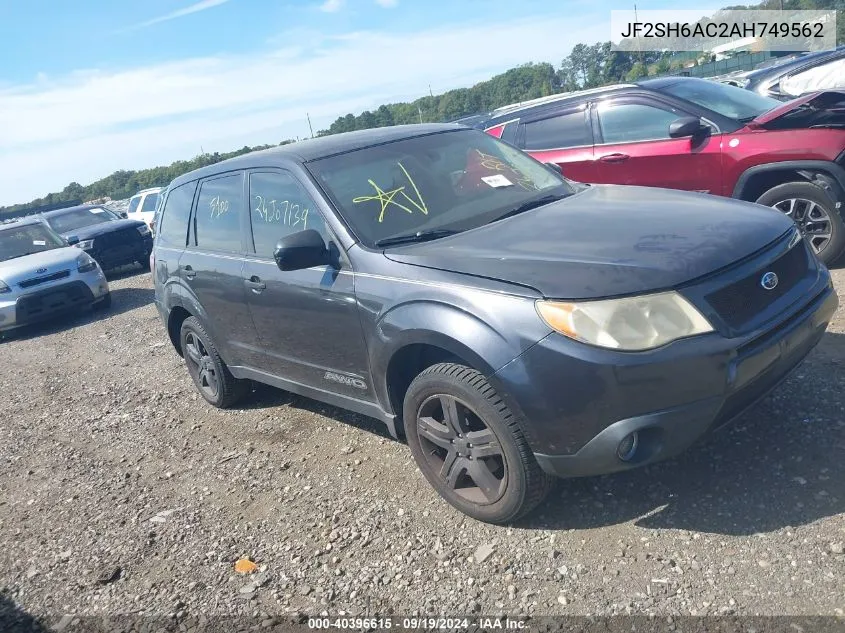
{"x":50,"y":301}
{"x":29,"y":283}
{"x":738,"y":303}
{"x":117,"y":238}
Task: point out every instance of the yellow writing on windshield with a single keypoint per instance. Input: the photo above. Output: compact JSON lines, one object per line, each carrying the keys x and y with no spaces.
{"x":496,"y":164}
{"x":386,"y":198}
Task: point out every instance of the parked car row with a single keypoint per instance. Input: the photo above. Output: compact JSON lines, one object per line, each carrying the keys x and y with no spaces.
{"x":42,"y":275}
{"x":796,"y":76}
{"x":54,"y":262}
{"x":697,"y":135}
{"x":512,"y":325}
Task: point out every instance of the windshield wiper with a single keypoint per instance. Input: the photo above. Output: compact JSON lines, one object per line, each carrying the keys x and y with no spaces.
{"x":419,"y":236}
{"x":532,"y":204}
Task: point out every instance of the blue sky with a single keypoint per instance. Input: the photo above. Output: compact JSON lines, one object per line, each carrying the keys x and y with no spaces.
{"x":93,"y":86}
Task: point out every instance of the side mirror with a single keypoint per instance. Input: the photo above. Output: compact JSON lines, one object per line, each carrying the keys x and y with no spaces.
{"x":685,"y":126}
{"x":555,"y":168}
{"x":300,"y":250}
{"x":123,"y":214}
{"x":72,"y":240}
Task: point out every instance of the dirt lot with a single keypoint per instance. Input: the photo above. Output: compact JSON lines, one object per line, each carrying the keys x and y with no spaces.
{"x":121,"y":491}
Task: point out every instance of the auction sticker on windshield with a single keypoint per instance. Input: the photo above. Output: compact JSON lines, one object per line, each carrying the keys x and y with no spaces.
{"x":497,"y":181}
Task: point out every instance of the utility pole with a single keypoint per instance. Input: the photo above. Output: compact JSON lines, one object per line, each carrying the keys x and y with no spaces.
{"x":308,"y":116}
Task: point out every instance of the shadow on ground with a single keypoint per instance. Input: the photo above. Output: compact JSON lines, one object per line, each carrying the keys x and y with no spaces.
{"x":15,"y":620}
{"x":124,"y":272}
{"x":123,"y":300}
{"x":265,"y":397}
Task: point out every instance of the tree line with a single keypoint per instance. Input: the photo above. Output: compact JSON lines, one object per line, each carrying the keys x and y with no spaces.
{"x":586,"y":66}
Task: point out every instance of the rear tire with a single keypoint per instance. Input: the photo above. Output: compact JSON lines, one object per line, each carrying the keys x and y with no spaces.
{"x":478,"y":439}
{"x":211,"y":377}
{"x":815,"y":214}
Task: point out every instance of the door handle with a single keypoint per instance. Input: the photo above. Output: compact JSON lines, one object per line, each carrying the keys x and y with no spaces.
{"x":190,"y":273}
{"x":255,"y":284}
{"x":614,"y":158}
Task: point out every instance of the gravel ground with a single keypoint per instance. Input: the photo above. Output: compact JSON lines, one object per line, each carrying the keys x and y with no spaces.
{"x":122,"y":492}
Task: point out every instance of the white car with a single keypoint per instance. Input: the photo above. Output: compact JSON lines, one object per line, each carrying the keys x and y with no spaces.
{"x":143,"y":204}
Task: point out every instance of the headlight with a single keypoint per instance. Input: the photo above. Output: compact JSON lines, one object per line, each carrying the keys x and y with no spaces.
{"x":630,"y":324}
{"x":144,"y":229}
{"x":85,"y":263}
{"x":4,"y":287}
{"x":85,"y":244}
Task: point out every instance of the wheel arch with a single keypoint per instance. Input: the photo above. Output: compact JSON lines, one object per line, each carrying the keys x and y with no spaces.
{"x":175,"y":319}
{"x":755,"y":181}
{"x":418,"y":335}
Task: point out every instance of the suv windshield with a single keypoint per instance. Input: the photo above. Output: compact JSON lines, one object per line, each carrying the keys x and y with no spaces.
{"x":27,"y":239}
{"x":62,"y":223}
{"x":729,"y":101}
{"x":431,"y":186}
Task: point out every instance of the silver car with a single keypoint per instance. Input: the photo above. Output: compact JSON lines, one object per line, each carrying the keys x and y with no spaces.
{"x":41,"y":276}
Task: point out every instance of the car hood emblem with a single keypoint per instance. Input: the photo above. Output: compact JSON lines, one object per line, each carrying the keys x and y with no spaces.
{"x":41,"y":270}
{"x":769,"y":281}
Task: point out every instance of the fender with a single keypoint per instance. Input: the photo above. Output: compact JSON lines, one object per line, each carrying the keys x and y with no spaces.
{"x":178,"y":294}
{"x":445,"y":326}
{"x":835,"y":172}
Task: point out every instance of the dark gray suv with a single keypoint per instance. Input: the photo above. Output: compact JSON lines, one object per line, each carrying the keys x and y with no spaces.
{"x":511,"y":324}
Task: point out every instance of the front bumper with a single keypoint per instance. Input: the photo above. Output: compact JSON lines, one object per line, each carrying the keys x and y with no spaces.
{"x":579,"y":402}
{"x":111,"y":255}
{"x":52,"y":300}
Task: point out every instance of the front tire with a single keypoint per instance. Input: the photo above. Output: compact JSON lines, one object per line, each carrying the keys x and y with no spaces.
{"x":814,"y":213}
{"x":211,"y":377}
{"x":469,"y":447}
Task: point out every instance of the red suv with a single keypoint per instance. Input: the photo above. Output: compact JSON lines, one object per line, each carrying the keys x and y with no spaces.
{"x":697,"y":135}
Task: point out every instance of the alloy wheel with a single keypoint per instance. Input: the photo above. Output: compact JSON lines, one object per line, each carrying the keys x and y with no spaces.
{"x":461,"y":450}
{"x":202,"y":366}
{"x":812,"y":220}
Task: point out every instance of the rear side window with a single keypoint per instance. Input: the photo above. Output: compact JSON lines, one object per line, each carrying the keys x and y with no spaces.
{"x":217,"y":221}
{"x":565,"y":130}
{"x":133,"y":204}
{"x":173,"y":230}
{"x":150,"y":202}
{"x":280,"y":206}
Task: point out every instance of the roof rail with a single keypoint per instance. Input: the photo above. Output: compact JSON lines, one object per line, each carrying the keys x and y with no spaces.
{"x":557,"y":97}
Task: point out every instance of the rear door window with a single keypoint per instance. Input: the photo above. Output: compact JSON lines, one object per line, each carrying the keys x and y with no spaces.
{"x":133,"y":204}
{"x":173,"y":230}
{"x":217,"y":220}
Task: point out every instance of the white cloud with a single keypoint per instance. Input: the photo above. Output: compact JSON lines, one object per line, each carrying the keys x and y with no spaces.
{"x":387,"y":4}
{"x":86,"y":125}
{"x":202,"y":5}
{"x":332,"y":6}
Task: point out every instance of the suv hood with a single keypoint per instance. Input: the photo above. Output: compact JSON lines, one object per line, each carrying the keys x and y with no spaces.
{"x":607,"y":241}
{"x":16,"y":270}
{"x":95,"y":230}
{"x":818,"y":109}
